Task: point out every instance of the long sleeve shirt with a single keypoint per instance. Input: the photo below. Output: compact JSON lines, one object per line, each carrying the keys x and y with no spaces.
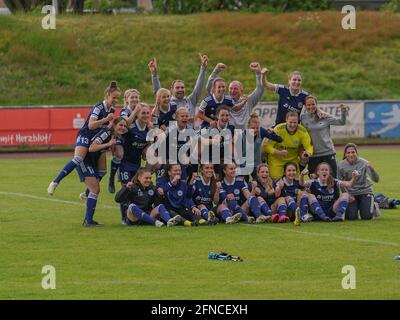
{"x":239,"y":118}
{"x":320,"y":132}
{"x":189,"y":101}
{"x":362,"y":185}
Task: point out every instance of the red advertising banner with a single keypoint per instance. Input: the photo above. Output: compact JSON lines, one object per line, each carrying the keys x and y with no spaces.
{"x":41,"y":126}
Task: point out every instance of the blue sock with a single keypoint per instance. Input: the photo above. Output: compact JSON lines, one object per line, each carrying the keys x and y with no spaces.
{"x":141,"y":215}
{"x":303,"y":205}
{"x":164,"y":214}
{"x":204,"y":213}
{"x":123,"y":206}
{"x":341,"y":207}
{"x":115,"y":163}
{"x":91,"y":202}
{"x":292,"y":205}
{"x":318,"y":210}
{"x":254,"y":206}
{"x":244,"y":214}
{"x":69,"y":167}
{"x":282,"y":209}
{"x":265,"y":209}
{"x":225,"y":213}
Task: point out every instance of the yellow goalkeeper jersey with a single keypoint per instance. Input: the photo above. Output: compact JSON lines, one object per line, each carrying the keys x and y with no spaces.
{"x":291,"y":143}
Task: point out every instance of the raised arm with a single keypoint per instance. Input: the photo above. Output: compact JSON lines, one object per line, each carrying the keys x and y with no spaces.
{"x":342,"y":120}
{"x":198,"y":88}
{"x":154,"y":75}
{"x":123,"y":194}
{"x":278,"y":189}
{"x":214,"y":74}
{"x":270,"y":86}
{"x":201,"y":115}
{"x":218,"y":187}
{"x":256,"y":95}
{"x":302,"y":175}
{"x":349,"y":184}
{"x":94,"y":123}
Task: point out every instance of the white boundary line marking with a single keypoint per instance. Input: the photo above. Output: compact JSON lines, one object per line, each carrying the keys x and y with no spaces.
{"x":75,"y":203}
{"x":330,"y":235}
{"x":316,"y":234}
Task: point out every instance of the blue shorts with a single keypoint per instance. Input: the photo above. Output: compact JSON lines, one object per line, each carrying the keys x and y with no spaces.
{"x":83,"y":141}
{"x":86,"y":170}
{"x":127,"y":171}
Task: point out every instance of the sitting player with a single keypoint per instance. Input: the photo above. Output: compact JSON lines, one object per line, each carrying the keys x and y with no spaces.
{"x":141,"y":198}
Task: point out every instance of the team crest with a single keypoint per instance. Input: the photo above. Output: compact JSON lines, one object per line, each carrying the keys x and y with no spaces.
{"x":151,"y":193}
{"x":180,"y":193}
{"x":236,"y":192}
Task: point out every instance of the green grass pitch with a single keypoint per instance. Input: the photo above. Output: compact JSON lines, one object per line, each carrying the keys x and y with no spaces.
{"x":118,"y":262}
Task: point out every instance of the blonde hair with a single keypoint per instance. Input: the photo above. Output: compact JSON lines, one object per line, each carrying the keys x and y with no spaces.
{"x":159,"y":93}
{"x":180,"y":109}
{"x":112,"y":87}
{"x":128,"y":93}
{"x":236,"y":82}
{"x":253,"y":116}
{"x":270,"y":183}
{"x":293,"y":73}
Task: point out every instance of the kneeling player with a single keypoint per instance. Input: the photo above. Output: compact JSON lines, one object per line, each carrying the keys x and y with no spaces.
{"x":175,"y":193}
{"x":325,"y":200}
{"x":140,"y":195}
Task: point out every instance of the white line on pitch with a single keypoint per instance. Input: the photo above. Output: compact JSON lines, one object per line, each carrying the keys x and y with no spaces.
{"x":24,"y":195}
{"x":325,"y":235}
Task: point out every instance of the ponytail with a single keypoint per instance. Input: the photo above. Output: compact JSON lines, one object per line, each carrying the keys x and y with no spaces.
{"x":112,"y":88}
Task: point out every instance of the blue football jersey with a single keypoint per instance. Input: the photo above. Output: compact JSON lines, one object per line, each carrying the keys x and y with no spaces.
{"x":290,"y":189}
{"x":201,"y":193}
{"x":177,"y":196}
{"x":98,"y":112}
{"x":134,"y":142}
{"x":288,"y":102}
{"x":269,"y":199}
{"x":236,"y":188}
{"x":165,"y":117}
{"x":208,"y":132}
{"x":102,"y":137}
{"x":210,"y":105}
{"x":325,"y":197}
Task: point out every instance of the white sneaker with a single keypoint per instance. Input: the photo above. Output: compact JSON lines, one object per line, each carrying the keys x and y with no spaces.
{"x":52,"y":187}
{"x":236,"y":217}
{"x":307,"y":218}
{"x":251,"y":220}
{"x":211,"y":215}
{"x":82,"y":196}
{"x":159,"y":224}
{"x":229,"y":220}
{"x":261,"y":219}
{"x":174,"y":221}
